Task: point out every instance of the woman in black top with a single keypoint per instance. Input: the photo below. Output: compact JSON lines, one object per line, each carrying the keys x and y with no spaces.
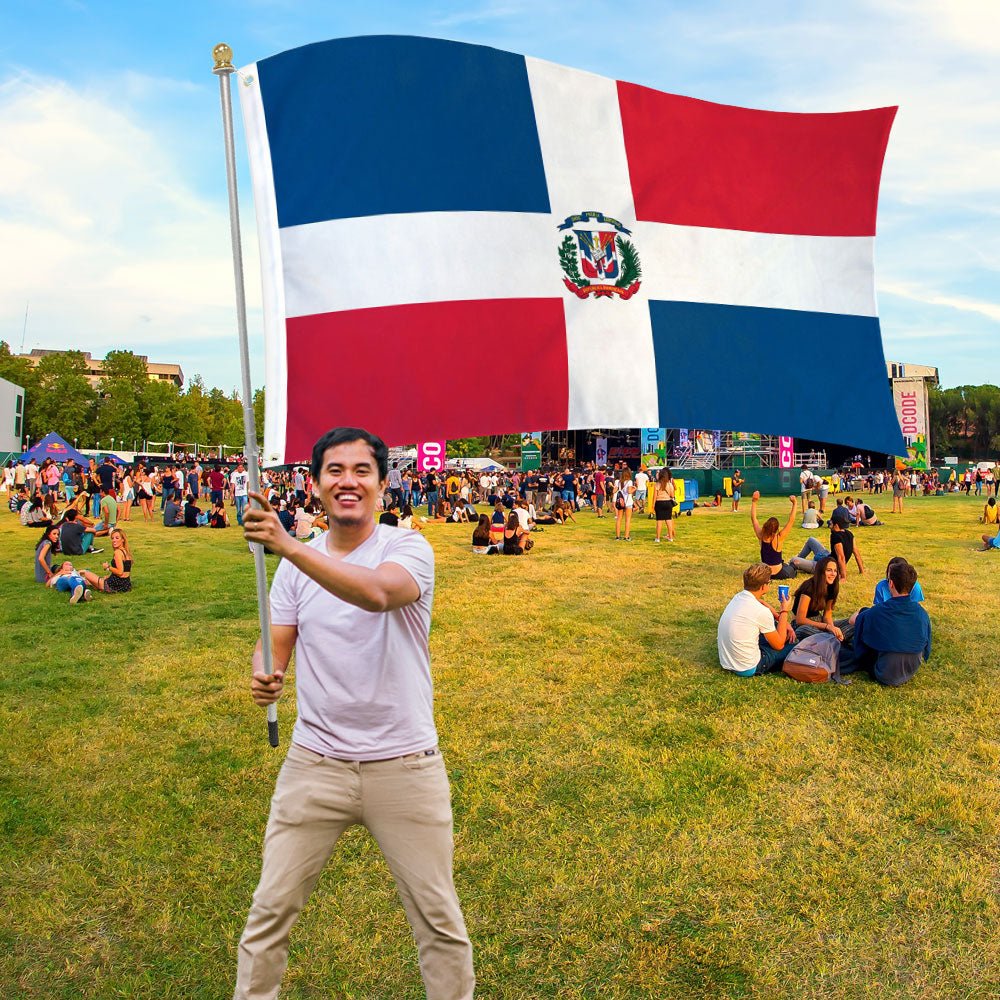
{"x":119,"y":578}
{"x":815,"y":599}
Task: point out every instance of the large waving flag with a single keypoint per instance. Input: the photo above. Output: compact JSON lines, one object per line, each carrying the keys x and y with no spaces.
{"x":457,"y":241}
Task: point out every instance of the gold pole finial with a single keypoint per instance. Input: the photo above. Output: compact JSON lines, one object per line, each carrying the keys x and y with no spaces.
{"x":223,"y":56}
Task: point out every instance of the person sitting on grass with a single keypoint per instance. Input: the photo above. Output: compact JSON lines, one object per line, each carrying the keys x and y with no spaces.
{"x":406,"y":519}
{"x":218,"y":517}
{"x":497,"y":523}
{"x":991,"y":541}
{"x":107,"y":512}
{"x":815,"y":599}
{"x":562,"y":511}
{"x":76,"y":537}
{"x":515,"y":538}
{"x":47,"y":546}
{"x":892,"y":639}
{"x":843,"y":545}
{"x":772,"y":539}
{"x":863,"y":515}
{"x":882,"y":592}
{"x":173,"y":516}
{"x":33,"y":515}
{"x":192,"y":513}
{"x":119,"y":578}
{"x":69,"y":580}
{"x":390,"y":515}
{"x":481,"y":543}
{"x":811,"y":518}
{"x":752,"y":638}
{"x":991,"y":512}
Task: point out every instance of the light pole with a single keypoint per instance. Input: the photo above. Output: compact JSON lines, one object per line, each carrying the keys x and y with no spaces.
{"x":112,"y":444}
{"x":74,"y":442}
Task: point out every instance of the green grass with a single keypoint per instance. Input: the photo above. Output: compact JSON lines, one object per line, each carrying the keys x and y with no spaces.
{"x":630,"y":822}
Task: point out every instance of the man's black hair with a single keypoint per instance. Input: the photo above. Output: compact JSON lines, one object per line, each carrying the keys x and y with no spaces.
{"x":70,"y":515}
{"x":347,"y":435}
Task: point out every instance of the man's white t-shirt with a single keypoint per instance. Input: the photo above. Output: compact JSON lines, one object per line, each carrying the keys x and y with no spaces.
{"x":240,"y":481}
{"x":742,"y":624}
{"x":805,"y":478}
{"x":363,"y":678}
{"x":523,"y":517}
{"x":641,"y":481}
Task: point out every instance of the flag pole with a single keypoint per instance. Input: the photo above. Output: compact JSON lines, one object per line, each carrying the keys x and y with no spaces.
{"x":223,"y":69}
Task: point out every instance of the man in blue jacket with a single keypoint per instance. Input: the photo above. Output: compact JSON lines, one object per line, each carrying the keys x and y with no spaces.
{"x":891,"y":639}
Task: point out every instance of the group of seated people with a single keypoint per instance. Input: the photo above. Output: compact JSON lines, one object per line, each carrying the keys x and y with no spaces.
{"x":889,"y":640}
{"x":192,"y":516}
{"x":772,"y":535}
{"x":71,"y":538}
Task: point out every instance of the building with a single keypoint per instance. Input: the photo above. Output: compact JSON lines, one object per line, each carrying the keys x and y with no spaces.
{"x":95,"y":368}
{"x":11,"y":417}
{"x":911,"y":398}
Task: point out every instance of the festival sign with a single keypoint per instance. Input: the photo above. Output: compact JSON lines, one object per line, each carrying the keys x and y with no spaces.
{"x":431,"y":456}
{"x":909,"y":396}
{"x":654,"y":446}
{"x":531,"y":450}
{"x":786,"y":453}
{"x":601,"y":451}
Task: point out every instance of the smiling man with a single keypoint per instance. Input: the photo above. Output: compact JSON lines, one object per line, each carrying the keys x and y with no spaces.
{"x":355,"y":605}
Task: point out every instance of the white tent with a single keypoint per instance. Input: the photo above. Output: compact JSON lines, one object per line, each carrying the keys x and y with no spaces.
{"x":479,"y":464}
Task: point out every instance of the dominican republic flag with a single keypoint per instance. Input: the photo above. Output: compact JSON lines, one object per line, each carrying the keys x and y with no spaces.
{"x":459,"y":241}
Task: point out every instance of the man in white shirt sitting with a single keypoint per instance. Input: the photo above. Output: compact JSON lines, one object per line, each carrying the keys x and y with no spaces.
{"x":754,"y":639}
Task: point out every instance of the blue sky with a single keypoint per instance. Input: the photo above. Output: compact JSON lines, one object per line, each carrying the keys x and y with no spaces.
{"x":112,"y":188}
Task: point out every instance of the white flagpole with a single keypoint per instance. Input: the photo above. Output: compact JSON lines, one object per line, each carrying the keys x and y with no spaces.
{"x":223,"y":69}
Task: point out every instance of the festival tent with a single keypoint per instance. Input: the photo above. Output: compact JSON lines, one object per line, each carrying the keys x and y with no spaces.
{"x":53,"y":446}
{"x":479,"y":464}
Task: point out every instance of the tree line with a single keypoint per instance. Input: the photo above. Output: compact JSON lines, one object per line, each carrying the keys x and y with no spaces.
{"x":127,"y":406}
{"x":965,"y":421}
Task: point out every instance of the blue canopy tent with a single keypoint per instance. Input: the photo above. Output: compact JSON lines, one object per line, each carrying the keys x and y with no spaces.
{"x":53,"y":446}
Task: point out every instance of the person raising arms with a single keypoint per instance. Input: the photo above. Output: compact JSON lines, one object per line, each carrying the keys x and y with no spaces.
{"x":772,"y":536}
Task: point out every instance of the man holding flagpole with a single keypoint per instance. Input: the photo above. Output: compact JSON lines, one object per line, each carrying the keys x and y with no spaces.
{"x":355,"y":605}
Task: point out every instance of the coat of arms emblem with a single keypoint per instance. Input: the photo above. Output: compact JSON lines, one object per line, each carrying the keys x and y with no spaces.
{"x":601,"y":262}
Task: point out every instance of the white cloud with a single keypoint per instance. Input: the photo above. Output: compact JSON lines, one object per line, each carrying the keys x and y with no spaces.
{"x":103,"y":232}
{"x":981,"y":307}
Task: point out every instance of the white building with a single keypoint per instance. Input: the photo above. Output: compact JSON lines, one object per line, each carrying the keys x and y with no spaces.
{"x":11,"y":417}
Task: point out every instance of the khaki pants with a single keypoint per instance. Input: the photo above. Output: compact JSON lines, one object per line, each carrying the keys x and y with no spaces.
{"x":406,"y":805}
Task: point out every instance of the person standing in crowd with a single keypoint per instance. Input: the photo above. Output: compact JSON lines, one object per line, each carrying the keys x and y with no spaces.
{"x":395,"y":482}
{"x":898,"y":489}
{"x":240,"y":481}
{"x":364,"y":591}
{"x":641,"y":489}
{"x":31,"y":476}
{"x":599,"y":491}
{"x":431,"y":489}
{"x":664,"y":502}
{"x":738,"y":482}
{"x":624,"y":503}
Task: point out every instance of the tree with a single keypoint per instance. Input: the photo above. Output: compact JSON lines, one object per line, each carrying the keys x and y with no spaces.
{"x":66,"y":401}
{"x":160,"y":404}
{"x":120,"y":415}
{"x":468,"y":447}
{"x":258,"y":413}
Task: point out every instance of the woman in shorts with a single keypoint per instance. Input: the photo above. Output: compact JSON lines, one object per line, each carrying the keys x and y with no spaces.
{"x":119,"y":570}
{"x":624,"y":504}
{"x":663,"y":504}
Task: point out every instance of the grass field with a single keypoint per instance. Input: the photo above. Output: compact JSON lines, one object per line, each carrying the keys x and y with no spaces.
{"x":630,"y":822}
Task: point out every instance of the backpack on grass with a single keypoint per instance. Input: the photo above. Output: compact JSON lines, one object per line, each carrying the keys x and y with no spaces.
{"x":814,"y":660}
